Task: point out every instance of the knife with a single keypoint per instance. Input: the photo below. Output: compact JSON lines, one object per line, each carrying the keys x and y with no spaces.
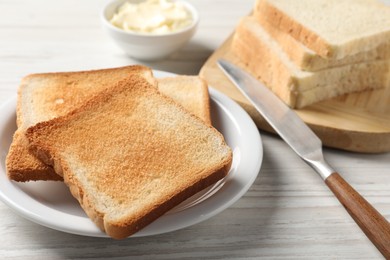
{"x":309,"y":147}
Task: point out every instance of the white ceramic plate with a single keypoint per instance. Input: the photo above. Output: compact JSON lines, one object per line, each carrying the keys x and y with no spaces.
{"x":51,"y":204}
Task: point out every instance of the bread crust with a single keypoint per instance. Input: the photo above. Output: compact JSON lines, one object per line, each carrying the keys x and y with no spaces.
{"x":287,"y":24}
{"x":325,"y":46}
{"x":308,"y":60}
{"x":19,"y":167}
{"x":45,"y":146}
{"x":296,"y":89}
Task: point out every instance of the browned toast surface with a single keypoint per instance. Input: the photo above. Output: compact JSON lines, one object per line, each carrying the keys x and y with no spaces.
{"x":45,"y":96}
{"x":130,"y":154}
{"x":189,"y":91}
{"x":48,"y":95}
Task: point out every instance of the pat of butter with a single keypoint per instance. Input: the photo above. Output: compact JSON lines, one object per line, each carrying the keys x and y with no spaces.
{"x":152,"y":16}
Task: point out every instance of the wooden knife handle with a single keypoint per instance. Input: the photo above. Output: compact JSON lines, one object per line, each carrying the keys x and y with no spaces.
{"x":373,"y":224}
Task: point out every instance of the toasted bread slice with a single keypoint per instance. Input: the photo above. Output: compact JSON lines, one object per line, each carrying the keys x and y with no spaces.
{"x":130,"y":154}
{"x":332,"y":28}
{"x":189,"y":91}
{"x":48,"y":95}
{"x":268,"y":62}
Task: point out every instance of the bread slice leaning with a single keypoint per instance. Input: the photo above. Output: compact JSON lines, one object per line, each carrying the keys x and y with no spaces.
{"x":307,"y":59}
{"x":332,"y":28}
{"x":189,"y":91}
{"x":130,"y":154}
{"x":45,"y":96}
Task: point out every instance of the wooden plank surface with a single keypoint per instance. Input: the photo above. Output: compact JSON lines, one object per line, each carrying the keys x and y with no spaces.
{"x":358,"y":122}
{"x":288,"y":213}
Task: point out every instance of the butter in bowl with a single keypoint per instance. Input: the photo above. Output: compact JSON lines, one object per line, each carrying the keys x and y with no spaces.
{"x":150,"y":29}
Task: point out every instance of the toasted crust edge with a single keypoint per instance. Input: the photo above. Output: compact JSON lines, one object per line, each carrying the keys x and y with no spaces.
{"x":206,"y":97}
{"x":121,"y":230}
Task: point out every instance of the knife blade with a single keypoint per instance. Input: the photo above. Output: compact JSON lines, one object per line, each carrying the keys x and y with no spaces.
{"x":308,"y":146}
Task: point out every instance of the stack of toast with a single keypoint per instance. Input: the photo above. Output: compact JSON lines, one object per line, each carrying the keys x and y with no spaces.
{"x":308,"y":51}
{"x":129,"y":146}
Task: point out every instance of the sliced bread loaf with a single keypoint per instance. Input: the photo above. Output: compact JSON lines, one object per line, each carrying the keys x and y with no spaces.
{"x":298,"y":88}
{"x":332,"y":28}
{"x":130,"y":154}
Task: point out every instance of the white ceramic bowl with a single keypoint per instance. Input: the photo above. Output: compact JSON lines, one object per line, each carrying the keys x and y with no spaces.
{"x":144,"y":46}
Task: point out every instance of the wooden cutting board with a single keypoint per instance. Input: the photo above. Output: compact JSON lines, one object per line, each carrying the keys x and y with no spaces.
{"x":358,"y":122}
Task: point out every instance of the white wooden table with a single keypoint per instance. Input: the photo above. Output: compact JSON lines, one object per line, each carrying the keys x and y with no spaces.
{"x":288,"y":212}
